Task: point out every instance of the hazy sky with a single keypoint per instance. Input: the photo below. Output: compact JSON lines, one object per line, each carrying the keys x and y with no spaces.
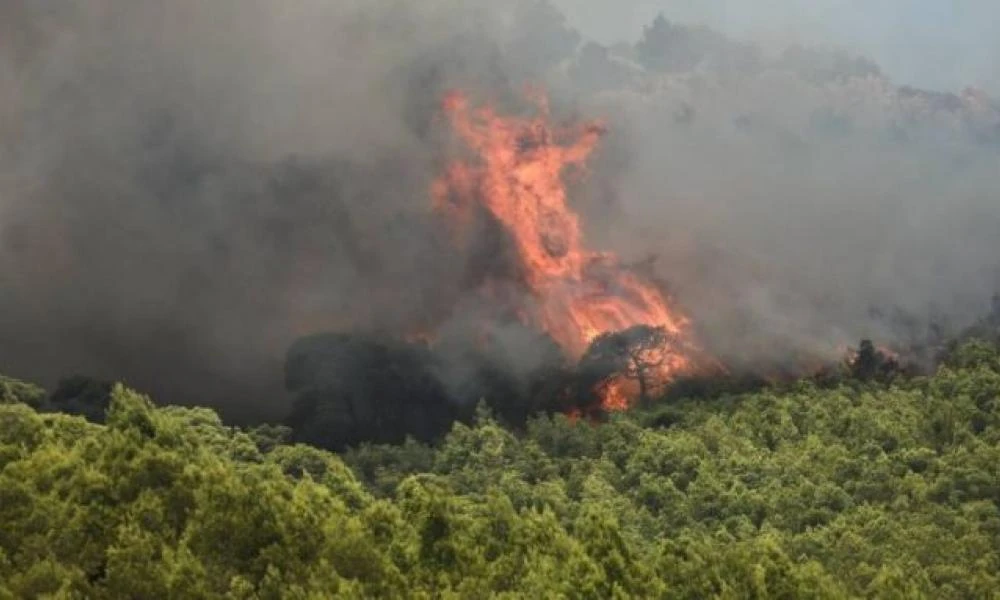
{"x":941,"y":44}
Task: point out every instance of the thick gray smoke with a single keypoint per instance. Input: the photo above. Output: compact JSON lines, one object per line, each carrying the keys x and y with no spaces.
{"x":187,"y":187}
{"x":798,"y":200}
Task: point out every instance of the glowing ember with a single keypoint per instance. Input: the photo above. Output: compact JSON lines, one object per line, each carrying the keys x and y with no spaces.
{"x":576,"y":294}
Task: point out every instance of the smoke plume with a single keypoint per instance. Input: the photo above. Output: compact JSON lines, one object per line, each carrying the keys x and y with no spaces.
{"x":188,"y":187}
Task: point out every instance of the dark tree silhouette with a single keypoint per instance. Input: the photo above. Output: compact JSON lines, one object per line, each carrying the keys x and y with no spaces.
{"x":517,"y":371}
{"x":636,"y":353}
{"x":351,"y":389}
{"x":872,"y":364}
{"x":83,"y":396}
{"x":865,"y":364}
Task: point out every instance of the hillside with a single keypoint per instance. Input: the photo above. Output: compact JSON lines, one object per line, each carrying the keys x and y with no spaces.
{"x":855,"y":491}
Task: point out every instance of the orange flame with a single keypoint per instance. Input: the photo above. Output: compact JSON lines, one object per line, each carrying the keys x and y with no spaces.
{"x":576,"y":294}
{"x":616,"y":394}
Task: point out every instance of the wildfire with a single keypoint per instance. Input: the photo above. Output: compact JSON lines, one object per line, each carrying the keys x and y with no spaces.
{"x":616,"y":394}
{"x":517,"y":176}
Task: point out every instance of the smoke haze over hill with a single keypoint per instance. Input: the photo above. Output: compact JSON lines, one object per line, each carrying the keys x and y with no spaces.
{"x":925,"y":43}
{"x":186,"y":188}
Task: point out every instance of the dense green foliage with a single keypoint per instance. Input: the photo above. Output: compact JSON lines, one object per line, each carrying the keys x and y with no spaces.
{"x":865,"y":489}
{"x":13,"y":391}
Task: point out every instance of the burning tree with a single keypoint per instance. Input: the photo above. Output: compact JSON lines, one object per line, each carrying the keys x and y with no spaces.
{"x":572,"y":293}
{"x":638,"y":354}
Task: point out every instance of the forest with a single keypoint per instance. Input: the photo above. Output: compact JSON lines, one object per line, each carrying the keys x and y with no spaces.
{"x":854,"y":486}
{"x":447,"y":300}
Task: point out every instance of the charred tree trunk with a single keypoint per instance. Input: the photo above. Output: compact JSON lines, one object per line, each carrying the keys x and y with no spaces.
{"x":643,"y":387}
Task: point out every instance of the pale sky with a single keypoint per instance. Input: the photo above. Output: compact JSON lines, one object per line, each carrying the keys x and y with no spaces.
{"x":939,"y":44}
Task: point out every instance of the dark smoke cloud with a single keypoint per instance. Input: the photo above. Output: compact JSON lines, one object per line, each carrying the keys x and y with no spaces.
{"x":187,"y":187}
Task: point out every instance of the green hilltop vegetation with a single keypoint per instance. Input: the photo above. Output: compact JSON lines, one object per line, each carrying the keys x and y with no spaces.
{"x":855,"y":489}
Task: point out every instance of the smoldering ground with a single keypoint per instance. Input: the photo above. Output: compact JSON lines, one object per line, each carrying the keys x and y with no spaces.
{"x":186,"y":188}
